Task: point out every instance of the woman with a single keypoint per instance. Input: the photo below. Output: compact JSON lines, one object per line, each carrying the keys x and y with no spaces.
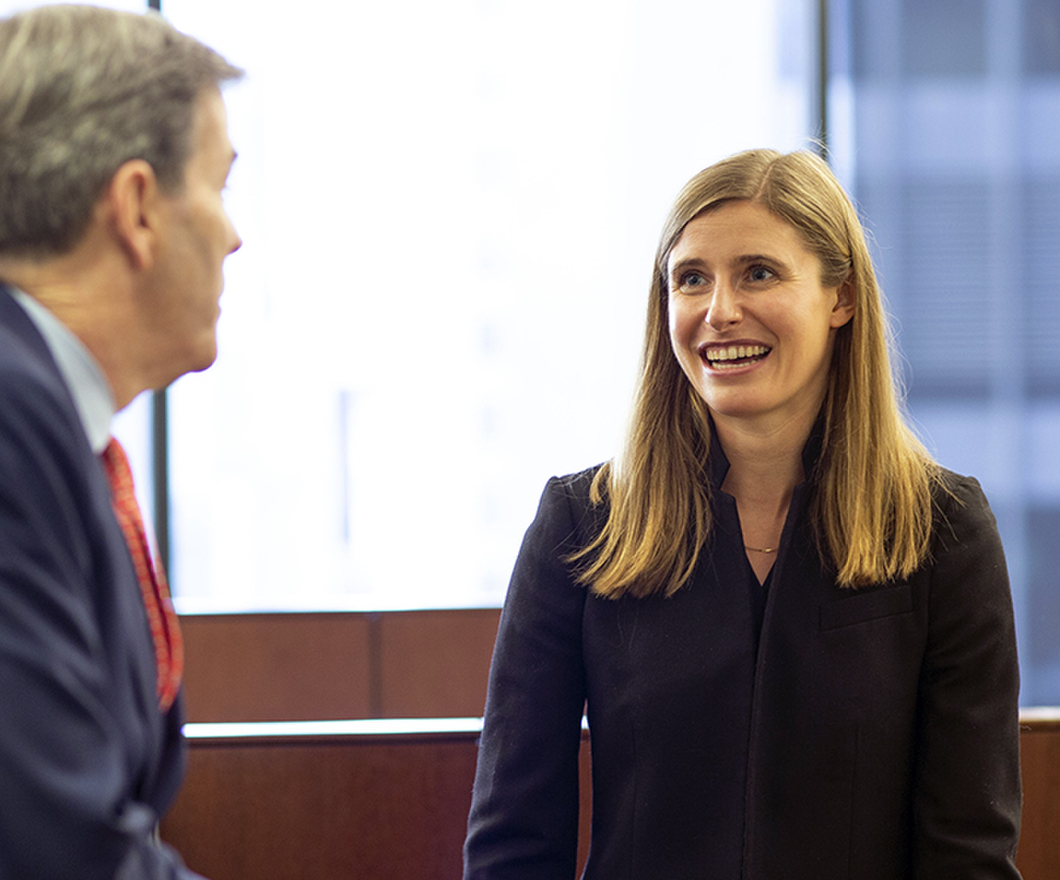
{"x":792,"y":630}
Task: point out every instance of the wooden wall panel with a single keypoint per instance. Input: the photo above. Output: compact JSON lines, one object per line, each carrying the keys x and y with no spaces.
{"x":277,"y":667}
{"x":434,"y":664}
{"x":1039,"y":853}
{"x":395,"y":807}
{"x":372,"y":810}
{"x":305,"y":667}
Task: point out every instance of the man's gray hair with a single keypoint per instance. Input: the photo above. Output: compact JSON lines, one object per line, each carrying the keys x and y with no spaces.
{"x":82,"y":91}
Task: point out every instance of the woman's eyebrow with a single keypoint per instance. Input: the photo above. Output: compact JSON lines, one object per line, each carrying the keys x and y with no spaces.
{"x":693,"y":262}
{"x":742,"y":260}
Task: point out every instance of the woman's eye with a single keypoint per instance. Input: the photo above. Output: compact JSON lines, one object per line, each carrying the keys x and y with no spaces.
{"x":692,"y":279}
{"x":760,"y":273}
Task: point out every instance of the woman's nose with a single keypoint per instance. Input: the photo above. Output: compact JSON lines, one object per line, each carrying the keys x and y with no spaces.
{"x":724,"y":309}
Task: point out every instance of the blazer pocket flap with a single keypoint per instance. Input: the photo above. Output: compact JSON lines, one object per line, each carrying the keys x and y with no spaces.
{"x":867,"y":606}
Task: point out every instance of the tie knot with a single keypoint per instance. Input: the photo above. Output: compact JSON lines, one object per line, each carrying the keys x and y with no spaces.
{"x":115,"y":459}
{"x":119,"y":474}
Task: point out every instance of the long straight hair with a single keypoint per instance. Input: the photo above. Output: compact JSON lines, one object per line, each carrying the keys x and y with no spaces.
{"x":873,"y":482}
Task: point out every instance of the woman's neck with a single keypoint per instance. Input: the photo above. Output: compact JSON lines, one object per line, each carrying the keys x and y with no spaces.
{"x":763,"y":464}
{"x":764,"y":468}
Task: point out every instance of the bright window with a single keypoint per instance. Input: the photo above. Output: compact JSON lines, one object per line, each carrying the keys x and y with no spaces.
{"x":449,"y":214}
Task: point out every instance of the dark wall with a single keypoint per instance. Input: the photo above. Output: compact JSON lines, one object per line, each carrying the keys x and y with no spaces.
{"x":379,"y":807}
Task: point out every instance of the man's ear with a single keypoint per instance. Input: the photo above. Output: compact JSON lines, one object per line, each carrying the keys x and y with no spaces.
{"x":132,"y":199}
{"x":843,"y":310}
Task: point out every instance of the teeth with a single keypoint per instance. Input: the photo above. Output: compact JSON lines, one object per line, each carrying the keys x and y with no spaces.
{"x":736,"y":352}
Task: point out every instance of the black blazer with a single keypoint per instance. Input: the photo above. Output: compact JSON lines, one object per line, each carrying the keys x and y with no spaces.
{"x":88,"y":762}
{"x":863,"y":735}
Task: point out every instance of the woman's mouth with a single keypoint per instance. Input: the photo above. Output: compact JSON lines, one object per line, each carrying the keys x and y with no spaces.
{"x":729,"y":357}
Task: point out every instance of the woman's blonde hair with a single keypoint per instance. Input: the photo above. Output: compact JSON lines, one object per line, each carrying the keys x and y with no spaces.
{"x":872,"y":501}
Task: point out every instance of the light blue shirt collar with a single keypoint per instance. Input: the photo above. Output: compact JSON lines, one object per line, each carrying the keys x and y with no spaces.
{"x":80,"y":371}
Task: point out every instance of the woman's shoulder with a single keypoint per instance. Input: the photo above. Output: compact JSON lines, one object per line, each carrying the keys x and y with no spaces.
{"x":571,"y":499}
{"x":952,"y":490}
{"x":962,"y":509}
{"x":576,"y":485}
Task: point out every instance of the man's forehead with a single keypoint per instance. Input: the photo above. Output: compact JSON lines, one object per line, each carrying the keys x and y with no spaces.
{"x":211,"y":126}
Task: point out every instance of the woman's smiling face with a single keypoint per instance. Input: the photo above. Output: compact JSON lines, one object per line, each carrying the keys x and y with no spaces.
{"x":751,"y":323}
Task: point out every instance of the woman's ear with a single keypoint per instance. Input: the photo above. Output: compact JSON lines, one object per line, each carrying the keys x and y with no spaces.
{"x":843,"y":310}
{"x":132,"y":199}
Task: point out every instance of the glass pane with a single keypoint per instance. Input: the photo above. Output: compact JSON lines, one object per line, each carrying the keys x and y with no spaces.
{"x":1041,"y":36}
{"x":944,"y":37}
{"x":449,"y":214}
{"x":959,"y":177}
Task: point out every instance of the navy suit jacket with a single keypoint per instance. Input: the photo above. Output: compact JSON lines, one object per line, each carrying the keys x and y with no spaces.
{"x":866,"y":734}
{"x":88,"y":762}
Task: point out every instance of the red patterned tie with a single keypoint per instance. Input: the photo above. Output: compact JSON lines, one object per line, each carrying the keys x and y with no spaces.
{"x":165,"y":629}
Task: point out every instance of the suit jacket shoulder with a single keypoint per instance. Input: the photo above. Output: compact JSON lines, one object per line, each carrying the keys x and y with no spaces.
{"x":86,"y":757}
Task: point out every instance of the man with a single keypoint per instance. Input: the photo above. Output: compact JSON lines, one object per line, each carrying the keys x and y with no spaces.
{"x":113,"y":157}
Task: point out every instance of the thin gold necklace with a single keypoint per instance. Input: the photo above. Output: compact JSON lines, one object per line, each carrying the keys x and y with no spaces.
{"x":761,"y":549}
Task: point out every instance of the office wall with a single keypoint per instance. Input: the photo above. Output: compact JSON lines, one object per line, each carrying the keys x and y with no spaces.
{"x":391,"y":806}
{"x":293,"y":667}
